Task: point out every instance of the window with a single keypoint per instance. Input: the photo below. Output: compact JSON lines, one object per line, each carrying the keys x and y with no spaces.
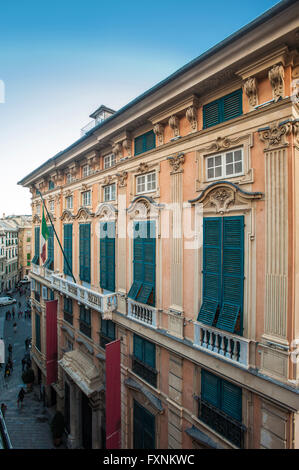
{"x":38,"y":209}
{"x":35,"y":259}
{"x":85,"y":171}
{"x":223,"y":273}
{"x":144,"y":263}
{"x":69,"y":178}
{"x":68,"y":310}
{"x":69,"y":202}
{"x":220,"y":406}
{"x":107,"y":256}
{"x":51,"y":184}
{"x":107,"y":332}
{"x":225,"y":165}
{"x":146,"y":183}
{"x":145,"y":142}
{"x":109,"y":192}
{"x":49,"y":264}
{"x":84,"y":252}
{"x":68,"y":248}
{"x":37,"y":332}
{"x":109,"y":160}
{"x":144,"y":428}
{"x":223,"y":109}
{"x":86,"y":198}
{"x":144,"y":359}
{"x":51,"y":206}
{"x":85,"y":321}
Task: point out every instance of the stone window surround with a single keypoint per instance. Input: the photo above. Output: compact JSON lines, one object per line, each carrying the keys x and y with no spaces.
{"x":149,"y":169}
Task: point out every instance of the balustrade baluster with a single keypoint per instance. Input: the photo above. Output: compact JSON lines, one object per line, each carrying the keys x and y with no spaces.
{"x":235,"y":350}
{"x":216,"y":343}
{"x":229,"y":350}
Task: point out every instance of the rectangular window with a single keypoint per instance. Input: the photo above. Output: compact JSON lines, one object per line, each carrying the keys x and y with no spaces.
{"x":145,"y":142}
{"x":68,"y":248}
{"x":35,"y":259}
{"x":146,"y":183}
{"x":85,"y":321}
{"x":144,"y":359}
{"x":37,"y":332}
{"x":223,"y":273}
{"x":86,"y":198}
{"x":109,"y":192}
{"x":69,"y":202}
{"x":68,"y":310}
{"x":223,"y":109}
{"x":109,"y":160}
{"x":49,"y":264}
{"x":225,"y":165}
{"x":85,"y":171}
{"x":107,"y":256}
{"x":69,"y":178}
{"x":220,"y":406}
{"x":107,"y":332}
{"x":84,"y":252}
{"x":144,"y":428}
{"x":144,"y":263}
{"x":51,"y":184}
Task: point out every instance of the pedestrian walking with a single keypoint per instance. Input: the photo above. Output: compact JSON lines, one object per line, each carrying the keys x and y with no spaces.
{"x":6,"y":315}
{"x":7,"y":371}
{"x":19,"y":304}
{"x":21,"y":397}
{"x":15,"y":327}
{"x":23,"y":364}
{"x":3,"y":409}
{"x":10,"y":364}
{"x":13,"y":314}
{"x":9,"y":350}
{"x":20,"y":314}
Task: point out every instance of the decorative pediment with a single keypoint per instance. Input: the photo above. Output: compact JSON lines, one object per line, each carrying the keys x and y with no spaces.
{"x":121,"y":178}
{"x":83,"y":213}
{"x":221,"y":196}
{"x":144,"y":207}
{"x":275,"y":135}
{"x":222,"y":143}
{"x":50,"y":216}
{"x":66,"y":216}
{"x":36,"y":219}
{"x":143,"y":168}
{"x":106,"y":211}
{"x":176,"y":162}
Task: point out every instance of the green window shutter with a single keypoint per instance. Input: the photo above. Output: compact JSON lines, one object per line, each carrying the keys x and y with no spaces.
{"x":107,"y":256}
{"x":108,"y":329}
{"x":210,"y":388}
{"x":232,"y":274}
{"x":212,"y":228}
{"x":149,"y":141}
{"x":135,"y":288}
{"x":138,"y":145}
{"x":84,"y":255}
{"x":50,"y":260}
{"x":68,"y":248}
{"x":143,"y":428}
{"x":35,"y":259}
{"x":231,"y":400}
{"x":231,"y":105}
{"x":150,"y":354}
{"x":211,"y":114}
{"x":138,"y":348}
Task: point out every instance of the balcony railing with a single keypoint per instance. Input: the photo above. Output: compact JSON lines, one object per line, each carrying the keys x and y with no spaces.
{"x":221,"y":343}
{"x":100,"y":302}
{"x":85,"y":328}
{"x":68,"y":317}
{"x":228,"y":427}
{"x":143,"y":313}
{"x":144,"y":371}
{"x":104,"y":340}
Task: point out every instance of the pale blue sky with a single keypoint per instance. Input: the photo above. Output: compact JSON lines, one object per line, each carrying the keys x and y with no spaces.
{"x":61,"y":59}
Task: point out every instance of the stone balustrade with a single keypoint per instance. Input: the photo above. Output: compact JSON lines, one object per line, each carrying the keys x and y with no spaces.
{"x":142,"y":313}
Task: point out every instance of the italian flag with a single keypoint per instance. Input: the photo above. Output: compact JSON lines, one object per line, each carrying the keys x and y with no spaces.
{"x":44,"y":238}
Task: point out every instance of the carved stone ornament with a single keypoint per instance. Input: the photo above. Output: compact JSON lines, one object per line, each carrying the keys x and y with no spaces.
{"x":92,"y":162}
{"x":143,"y":168}
{"x":83,"y":213}
{"x":36,"y":219}
{"x":106,"y":211}
{"x":32,"y":189}
{"x":250,"y":88}
{"x":144,"y":207}
{"x":296,"y":131}
{"x":84,"y":187}
{"x":174,"y":123}
{"x":66,"y":215}
{"x":127,"y":145}
{"x":107,"y":180}
{"x":176,"y":162}
{"x":275,"y":135}
{"x":108,"y":312}
{"x":121,"y":178}
{"x":276,"y":77}
{"x":117,"y":150}
{"x":222,"y":143}
{"x":221,"y":198}
{"x":159,"y":132}
{"x":191,"y":115}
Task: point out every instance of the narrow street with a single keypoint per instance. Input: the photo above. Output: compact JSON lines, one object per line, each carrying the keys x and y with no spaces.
{"x":28,"y":427}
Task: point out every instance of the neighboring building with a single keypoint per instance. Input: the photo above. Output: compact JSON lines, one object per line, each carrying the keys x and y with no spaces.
{"x":10,"y":275}
{"x":24,"y":224}
{"x":2,"y":259}
{"x":206,"y":305}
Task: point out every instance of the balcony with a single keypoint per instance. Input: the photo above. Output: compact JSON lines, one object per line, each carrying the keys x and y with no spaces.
{"x":144,"y":371}
{"x":85,"y":328}
{"x":142,"y":313}
{"x":230,"y":347}
{"x":68,"y":317}
{"x":228,"y":427}
{"x":100,"y":302}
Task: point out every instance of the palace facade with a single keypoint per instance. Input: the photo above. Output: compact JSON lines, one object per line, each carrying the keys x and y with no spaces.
{"x":179,"y":218}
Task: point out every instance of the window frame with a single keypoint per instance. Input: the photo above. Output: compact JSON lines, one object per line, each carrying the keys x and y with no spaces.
{"x":146,"y":183}
{"x":83,"y":196}
{"x":110,"y":192}
{"x":67,"y":199}
{"x":87,"y":172}
{"x":224,"y":164}
{"x":111,"y":158}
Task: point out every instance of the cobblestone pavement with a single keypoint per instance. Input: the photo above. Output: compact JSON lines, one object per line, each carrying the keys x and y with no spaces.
{"x":28,"y":427}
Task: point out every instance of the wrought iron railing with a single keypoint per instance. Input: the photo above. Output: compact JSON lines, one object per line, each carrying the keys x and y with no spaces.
{"x":85,"y":328}
{"x":104,"y":340}
{"x":144,"y":371}
{"x":223,"y":424}
{"x":68,"y":317}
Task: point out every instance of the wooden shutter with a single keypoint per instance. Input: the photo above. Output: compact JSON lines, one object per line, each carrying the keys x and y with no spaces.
{"x":138,"y":145}
{"x":211,"y":114}
{"x":232,"y":273}
{"x":150,"y":354}
{"x":149,"y":141}
{"x":231,"y":400}
{"x":84,"y":241}
{"x":138,"y":348}
{"x":107,"y":256}
{"x":68,"y":248}
{"x":35,"y":259}
{"x":144,"y":428}
{"x":210,"y":388}
{"x":50,"y":260}
{"x":37,"y":332}
{"x":231,"y":105}
{"x":212,"y":228}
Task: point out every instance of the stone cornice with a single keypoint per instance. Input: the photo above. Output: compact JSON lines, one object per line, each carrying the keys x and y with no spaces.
{"x":280,"y":55}
{"x":175,"y":109}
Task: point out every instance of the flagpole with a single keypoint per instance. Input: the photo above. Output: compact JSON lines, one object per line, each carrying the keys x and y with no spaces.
{"x":49,"y":216}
